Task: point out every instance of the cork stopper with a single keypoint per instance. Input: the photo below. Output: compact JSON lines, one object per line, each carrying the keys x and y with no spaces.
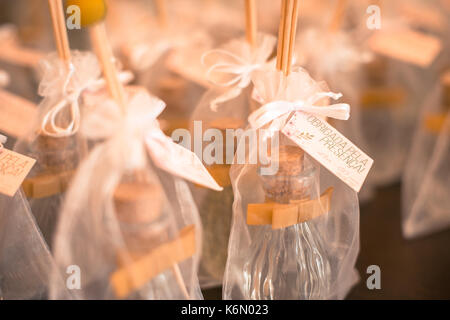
{"x":290,"y":182}
{"x":290,"y":160}
{"x":376,"y":71}
{"x":57,"y":154}
{"x":223,"y":124}
{"x":138,"y":208}
{"x":445,"y":82}
{"x":137,"y":202}
{"x":226,"y":123}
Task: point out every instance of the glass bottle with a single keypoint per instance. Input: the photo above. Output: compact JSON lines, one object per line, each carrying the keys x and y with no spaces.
{"x":288,"y":263}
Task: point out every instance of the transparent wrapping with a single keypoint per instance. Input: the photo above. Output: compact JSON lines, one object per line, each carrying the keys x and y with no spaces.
{"x":310,"y":258}
{"x":426,"y":180}
{"x":25,"y":260}
{"x":389,"y":108}
{"x":224,"y":108}
{"x":53,"y":139}
{"x":125,"y":222}
{"x":337,"y":58}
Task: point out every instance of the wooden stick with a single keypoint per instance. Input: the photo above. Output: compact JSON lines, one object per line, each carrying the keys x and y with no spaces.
{"x":287,"y":36}
{"x":294,"y":20}
{"x":250,"y":21}
{"x":161,"y":9}
{"x":338,"y":16}
{"x":59,"y":29}
{"x":180,"y":281}
{"x":281,"y":35}
{"x":104,"y":52}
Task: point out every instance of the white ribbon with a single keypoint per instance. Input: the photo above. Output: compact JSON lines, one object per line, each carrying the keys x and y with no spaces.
{"x":276,"y":109}
{"x":241,"y":69}
{"x":140,"y":125}
{"x":3,"y":140}
{"x":234,"y":70}
{"x":49,"y":126}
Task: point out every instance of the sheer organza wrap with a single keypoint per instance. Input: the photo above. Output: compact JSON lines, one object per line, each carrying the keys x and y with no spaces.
{"x":225,"y":106}
{"x":99,"y":237}
{"x":25,"y":261}
{"x":309,"y":260}
{"x":337,"y":58}
{"x":53,"y":139}
{"x":426,"y":180}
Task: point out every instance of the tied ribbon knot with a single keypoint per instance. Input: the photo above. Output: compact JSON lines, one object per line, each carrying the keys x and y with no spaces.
{"x":234,"y":65}
{"x":82,"y":74}
{"x":240,"y":70}
{"x":276,"y":109}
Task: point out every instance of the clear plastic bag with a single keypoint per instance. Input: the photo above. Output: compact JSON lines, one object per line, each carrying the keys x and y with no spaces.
{"x":426,"y":180}
{"x":311,"y":258}
{"x":131,"y":227}
{"x":53,"y":139}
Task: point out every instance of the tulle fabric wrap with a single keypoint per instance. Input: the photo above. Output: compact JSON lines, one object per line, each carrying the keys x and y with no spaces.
{"x":227,"y":103}
{"x":311,"y":260}
{"x":90,"y":234}
{"x":426,"y":180}
{"x":60,"y":154}
{"x":25,"y":260}
{"x":337,"y":59}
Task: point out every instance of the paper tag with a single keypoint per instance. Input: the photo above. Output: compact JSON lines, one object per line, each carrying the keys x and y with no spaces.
{"x":330,"y":148}
{"x":180,"y":162}
{"x":424,"y":16}
{"x":21,"y":56}
{"x":14,"y":167}
{"x":16,"y":114}
{"x":406,"y":45}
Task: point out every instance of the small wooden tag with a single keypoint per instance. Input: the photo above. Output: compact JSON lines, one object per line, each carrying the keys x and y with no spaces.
{"x":383,"y":97}
{"x":434,"y":123}
{"x":16,"y":114}
{"x":286,"y":215}
{"x":406,"y":45}
{"x":134,"y":275}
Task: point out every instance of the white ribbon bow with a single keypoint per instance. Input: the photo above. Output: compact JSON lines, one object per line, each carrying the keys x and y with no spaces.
{"x":276,"y":109}
{"x":240,"y":68}
{"x":235,"y":70}
{"x":141,"y":122}
{"x":49,"y":126}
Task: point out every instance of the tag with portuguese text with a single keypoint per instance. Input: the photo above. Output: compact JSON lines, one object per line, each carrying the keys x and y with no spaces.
{"x":14,"y":168}
{"x":406,"y":45}
{"x":330,"y":148}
